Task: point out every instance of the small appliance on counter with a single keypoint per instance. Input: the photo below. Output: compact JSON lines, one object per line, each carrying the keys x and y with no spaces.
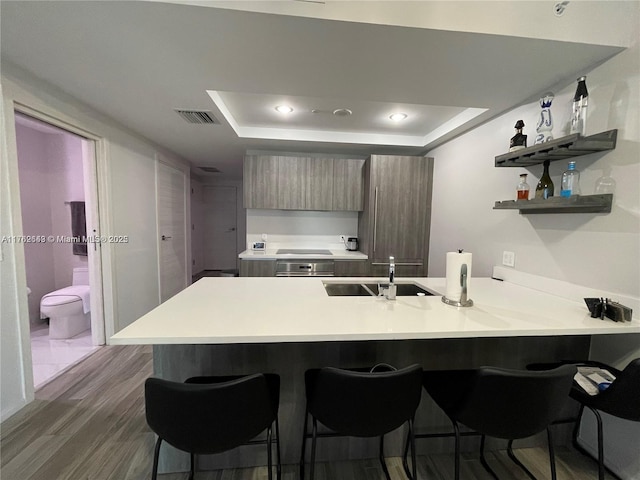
{"x":259,"y":246}
{"x":352,"y":244}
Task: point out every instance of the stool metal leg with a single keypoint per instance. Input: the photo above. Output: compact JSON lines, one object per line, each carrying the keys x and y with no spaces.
{"x":156,"y":455}
{"x":414,"y":472}
{"x":405,"y":463}
{"x":269,"y":454}
{"x":457,"y":452}
{"x":279,"y":464}
{"x":483,"y":461}
{"x":600,"y":445}
{"x":314,"y":432}
{"x":304,"y":443}
{"x":577,"y":446}
{"x":193,"y":466}
{"x":381,"y":457}
{"x":515,"y":460}
{"x":552,"y":455}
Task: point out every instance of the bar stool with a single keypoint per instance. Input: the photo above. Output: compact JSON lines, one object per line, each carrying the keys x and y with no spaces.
{"x":621,"y":399}
{"x":360,"y":404}
{"x":208,"y":415}
{"x":502,"y":403}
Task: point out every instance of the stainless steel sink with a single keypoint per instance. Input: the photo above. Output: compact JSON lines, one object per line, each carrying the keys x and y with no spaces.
{"x":402,"y":289}
{"x":336,"y":289}
{"x":346,"y":290}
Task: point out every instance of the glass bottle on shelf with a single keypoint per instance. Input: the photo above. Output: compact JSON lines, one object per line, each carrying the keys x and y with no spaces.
{"x":544,"y":189}
{"x":579,"y":113}
{"x":570,"y":181}
{"x":605,"y":184}
{"x":523,"y":188}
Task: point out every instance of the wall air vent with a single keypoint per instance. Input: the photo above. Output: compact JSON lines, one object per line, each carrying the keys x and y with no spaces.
{"x":198,"y":116}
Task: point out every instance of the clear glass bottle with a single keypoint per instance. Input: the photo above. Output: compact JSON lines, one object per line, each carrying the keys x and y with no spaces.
{"x":544,"y":189}
{"x":523,"y":188}
{"x":579,"y":113}
{"x":570,"y":181}
{"x":605,"y":184}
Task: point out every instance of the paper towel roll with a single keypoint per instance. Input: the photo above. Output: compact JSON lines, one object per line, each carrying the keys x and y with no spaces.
{"x":455,"y":260}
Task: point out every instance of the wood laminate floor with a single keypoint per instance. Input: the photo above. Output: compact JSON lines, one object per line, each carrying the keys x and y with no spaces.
{"x":89,"y":424}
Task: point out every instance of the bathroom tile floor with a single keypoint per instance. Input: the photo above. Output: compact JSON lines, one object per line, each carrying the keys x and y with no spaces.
{"x":53,"y":357}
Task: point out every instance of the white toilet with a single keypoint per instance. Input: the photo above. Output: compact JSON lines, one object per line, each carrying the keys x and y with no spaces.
{"x":68,"y":309}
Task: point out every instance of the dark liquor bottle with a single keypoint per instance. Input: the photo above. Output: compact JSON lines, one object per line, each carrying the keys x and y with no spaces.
{"x":523,"y":188}
{"x":544,"y":189}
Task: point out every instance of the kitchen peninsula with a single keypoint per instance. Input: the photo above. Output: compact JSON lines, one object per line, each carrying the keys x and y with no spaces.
{"x":286,"y":325}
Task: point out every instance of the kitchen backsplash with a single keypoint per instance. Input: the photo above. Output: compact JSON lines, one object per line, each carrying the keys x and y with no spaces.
{"x":308,"y":229}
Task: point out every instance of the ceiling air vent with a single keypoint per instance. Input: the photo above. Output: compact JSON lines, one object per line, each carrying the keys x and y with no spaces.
{"x":209,"y":169}
{"x":198,"y":116}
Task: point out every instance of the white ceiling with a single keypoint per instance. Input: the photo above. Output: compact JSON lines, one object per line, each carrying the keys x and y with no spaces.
{"x":138,"y":61}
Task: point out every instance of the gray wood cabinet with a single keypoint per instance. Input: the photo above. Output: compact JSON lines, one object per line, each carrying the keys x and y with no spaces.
{"x":348,"y":184}
{"x":397,"y":213}
{"x":260,"y":179}
{"x":351,"y":268}
{"x":257,"y":268}
{"x":303,"y":183}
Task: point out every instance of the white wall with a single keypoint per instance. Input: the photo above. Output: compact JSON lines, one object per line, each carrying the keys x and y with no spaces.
{"x":35,"y":193}
{"x":66,"y":177}
{"x":126,"y":166}
{"x":51,"y":173}
{"x":596,"y":250}
{"x":308,"y":229}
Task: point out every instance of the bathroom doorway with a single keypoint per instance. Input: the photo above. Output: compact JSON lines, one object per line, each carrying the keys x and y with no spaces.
{"x":58,"y":194}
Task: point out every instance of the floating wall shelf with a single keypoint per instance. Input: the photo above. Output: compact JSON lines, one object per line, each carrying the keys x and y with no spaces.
{"x":560,"y":149}
{"x":574,"y":204}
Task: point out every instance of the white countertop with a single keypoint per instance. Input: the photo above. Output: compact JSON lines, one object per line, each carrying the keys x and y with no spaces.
{"x":268,"y":310}
{"x":270,"y":254}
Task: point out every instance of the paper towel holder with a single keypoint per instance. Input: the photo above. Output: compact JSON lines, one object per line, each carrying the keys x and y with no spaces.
{"x":464,"y":301}
{"x":454,"y":303}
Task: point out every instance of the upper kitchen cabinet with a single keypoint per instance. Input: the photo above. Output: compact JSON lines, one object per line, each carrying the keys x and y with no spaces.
{"x":348,"y":184}
{"x":303,"y":183}
{"x":260,"y":178}
{"x":397,"y":212}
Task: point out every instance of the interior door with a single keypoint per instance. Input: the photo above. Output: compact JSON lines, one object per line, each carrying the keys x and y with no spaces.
{"x":220,"y":228}
{"x":172,"y":221}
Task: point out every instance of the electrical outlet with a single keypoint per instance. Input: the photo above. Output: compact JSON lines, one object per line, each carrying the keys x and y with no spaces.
{"x":264,"y":237}
{"x":508,"y":259}
{"x":343,"y":238}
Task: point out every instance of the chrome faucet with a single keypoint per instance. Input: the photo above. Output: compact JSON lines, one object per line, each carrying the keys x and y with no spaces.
{"x":392,"y":270}
{"x":389,"y":291}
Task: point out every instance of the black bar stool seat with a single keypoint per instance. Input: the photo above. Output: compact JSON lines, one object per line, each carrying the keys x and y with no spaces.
{"x":208,"y":415}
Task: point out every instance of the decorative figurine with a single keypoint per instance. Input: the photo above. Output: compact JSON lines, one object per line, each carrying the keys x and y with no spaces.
{"x":545,"y":124}
{"x":518,"y":141}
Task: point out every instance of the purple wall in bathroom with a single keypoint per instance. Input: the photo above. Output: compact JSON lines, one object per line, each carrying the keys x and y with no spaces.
{"x":50,"y":170}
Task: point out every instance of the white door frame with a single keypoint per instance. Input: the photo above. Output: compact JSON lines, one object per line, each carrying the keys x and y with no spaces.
{"x":102,"y":308}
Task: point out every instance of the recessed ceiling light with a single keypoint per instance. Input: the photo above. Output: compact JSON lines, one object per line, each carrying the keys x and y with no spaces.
{"x":284,"y":109}
{"x":398,"y":117}
{"x":342,"y":112}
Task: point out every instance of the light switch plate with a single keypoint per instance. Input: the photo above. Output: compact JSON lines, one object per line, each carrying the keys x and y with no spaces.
{"x":508,"y":259}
